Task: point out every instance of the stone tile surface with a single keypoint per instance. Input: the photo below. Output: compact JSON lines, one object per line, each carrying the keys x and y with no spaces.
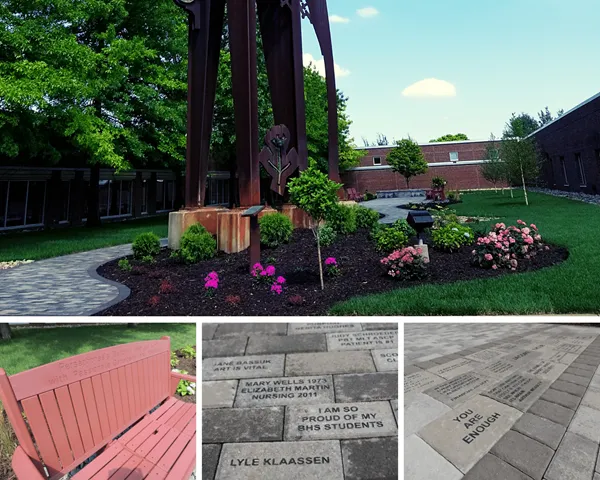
{"x":310,"y":342}
{"x":235,"y":425}
{"x":370,"y":458}
{"x":322,"y":327}
{"x":552,"y":411}
{"x":385,"y":360}
{"x":249,"y":366}
{"x":540,"y":429}
{"x":247,"y":329}
{"x":329,"y":362}
{"x":421,"y":462}
{"x":491,"y":467}
{"x":366,"y":340}
{"x":218,"y":394}
{"x":524,"y":453}
{"x":421,"y":411}
{"x":366,"y":387}
{"x":586,"y":423}
{"x":574,"y":459}
{"x":226,"y":347}
{"x":210,"y":459}
{"x":262,"y":392}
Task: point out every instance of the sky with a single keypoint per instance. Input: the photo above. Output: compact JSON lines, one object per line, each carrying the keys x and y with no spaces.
{"x":425,"y":68}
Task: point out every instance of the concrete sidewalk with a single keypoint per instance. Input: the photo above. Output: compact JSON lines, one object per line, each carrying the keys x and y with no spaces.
{"x":313,"y":401}
{"x":501,"y":401}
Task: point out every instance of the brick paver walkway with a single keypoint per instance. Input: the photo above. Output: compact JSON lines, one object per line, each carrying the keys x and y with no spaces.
{"x":501,"y":401}
{"x":61,"y":285}
{"x":299,"y":401}
{"x":389,"y":207}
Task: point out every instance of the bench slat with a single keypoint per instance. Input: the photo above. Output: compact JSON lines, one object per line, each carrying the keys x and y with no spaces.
{"x":128,"y":467}
{"x":142,"y":471}
{"x":185,"y":463}
{"x":113,"y":466}
{"x":181,"y":423}
{"x":125,"y":394}
{"x":118,"y":396}
{"x":109,"y":400}
{"x":150,"y":442}
{"x":174,"y":409}
{"x":161,"y":447}
{"x":99,"y":462}
{"x":57,"y":429}
{"x":81,"y":415}
{"x":169,"y":458}
{"x":101,"y":406}
{"x":37,"y":423}
{"x":132,"y":389}
{"x":92,"y":409}
{"x":70,"y":420}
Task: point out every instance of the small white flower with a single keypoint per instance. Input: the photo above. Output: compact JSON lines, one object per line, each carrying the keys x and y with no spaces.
{"x":454,"y":229}
{"x":467,"y":234}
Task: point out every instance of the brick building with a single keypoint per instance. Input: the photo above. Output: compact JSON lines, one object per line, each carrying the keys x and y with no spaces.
{"x":458,"y":162}
{"x":570,"y":146}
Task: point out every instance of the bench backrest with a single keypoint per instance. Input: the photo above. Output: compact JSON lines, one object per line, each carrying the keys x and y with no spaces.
{"x":77,"y":405}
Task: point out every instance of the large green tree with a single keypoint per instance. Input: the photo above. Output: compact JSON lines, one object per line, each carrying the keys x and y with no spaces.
{"x":407,"y":159}
{"x":450,"y":137}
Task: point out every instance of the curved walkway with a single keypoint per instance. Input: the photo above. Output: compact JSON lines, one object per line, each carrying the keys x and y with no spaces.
{"x":65,"y":285}
{"x":389,"y":207}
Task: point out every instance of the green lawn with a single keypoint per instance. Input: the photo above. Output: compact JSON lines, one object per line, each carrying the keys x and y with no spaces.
{"x":52,"y":243}
{"x":572,"y":287}
{"x":32,"y":347}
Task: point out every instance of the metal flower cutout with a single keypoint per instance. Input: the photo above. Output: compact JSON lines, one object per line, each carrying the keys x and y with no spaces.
{"x":277,"y":161}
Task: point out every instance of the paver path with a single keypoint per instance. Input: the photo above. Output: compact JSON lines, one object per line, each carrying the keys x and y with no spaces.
{"x":299,"y":401}
{"x":389,"y":207}
{"x":501,"y":401}
{"x":65,"y":285}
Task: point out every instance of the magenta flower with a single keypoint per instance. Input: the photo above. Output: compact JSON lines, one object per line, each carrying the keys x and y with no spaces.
{"x":270,"y":270}
{"x":280,"y":280}
{"x":330,"y":261}
{"x":276,"y":288}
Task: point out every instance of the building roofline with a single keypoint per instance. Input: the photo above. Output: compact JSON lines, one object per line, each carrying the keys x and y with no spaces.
{"x":456,"y":142}
{"x":577,"y":107}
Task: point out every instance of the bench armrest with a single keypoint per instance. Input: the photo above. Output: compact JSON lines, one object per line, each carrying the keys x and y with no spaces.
{"x":23,"y":467}
{"x":175,"y":377}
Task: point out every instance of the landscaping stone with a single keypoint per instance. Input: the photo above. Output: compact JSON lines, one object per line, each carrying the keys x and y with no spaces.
{"x":339,"y":421}
{"x":218,"y":394}
{"x":574,"y":459}
{"x":314,"y":342}
{"x":328,"y":363}
{"x":366,"y":387}
{"x":372,"y":458}
{"x":235,"y":425}
{"x":421,"y":462}
{"x":226,"y":347}
{"x":323,"y":327}
{"x":224,"y":368}
{"x":491,"y":467}
{"x":376,"y":339}
{"x":261,"y":392}
{"x":281,"y":461}
{"x":385,"y":360}
{"x":524,"y":453}
{"x":210,"y":459}
{"x":540,"y":429}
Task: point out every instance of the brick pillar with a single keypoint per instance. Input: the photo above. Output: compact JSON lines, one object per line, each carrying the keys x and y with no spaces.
{"x":77,"y":199}
{"x":151,"y":187}
{"x":138,"y":185}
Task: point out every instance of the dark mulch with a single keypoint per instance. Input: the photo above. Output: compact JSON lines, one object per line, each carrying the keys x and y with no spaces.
{"x":297,"y":262}
{"x":189,"y":365}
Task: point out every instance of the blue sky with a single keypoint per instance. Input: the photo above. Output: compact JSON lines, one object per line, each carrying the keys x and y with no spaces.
{"x":488,"y":59}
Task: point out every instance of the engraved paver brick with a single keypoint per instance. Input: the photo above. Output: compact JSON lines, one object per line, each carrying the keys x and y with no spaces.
{"x":586,"y":423}
{"x":254,"y":366}
{"x":561,"y":398}
{"x":366,"y":387}
{"x":226,"y":347}
{"x":524,"y":453}
{"x":385,"y":360}
{"x":540,"y":429}
{"x":323,"y":327}
{"x":370,"y":458}
{"x":210,"y":459}
{"x":421,"y":462}
{"x":247,"y":329}
{"x":227,"y":425}
{"x":311,"y":342}
{"x":574,"y":459}
{"x":329,"y":362}
{"x":420,"y":381}
{"x":552,"y":411}
{"x":262,"y":392}
{"x":366,"y":340}
{"x":492,"y":468}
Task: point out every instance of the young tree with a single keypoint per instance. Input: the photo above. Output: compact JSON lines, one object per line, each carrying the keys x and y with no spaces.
{"x":314,"y":193}
{"x":450,"y":138}
{"x":520,"y":126}
{"x":493,"y":170}
{"x":5,"y":333}
{"x":521,"y":159}
{"x":407,"y":159}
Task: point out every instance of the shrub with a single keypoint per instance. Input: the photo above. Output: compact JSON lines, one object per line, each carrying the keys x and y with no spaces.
{"x":188,"y":352}
{"x":342,"y":218}
{"x":370,"y":196}
{"x":196,"y":247}
{"x":327,"y":235}
{"x":275,"y":229}
{"x":365,"y":217}
{"x":174,"y":360}
{"x":442,"y":216}
{"x":389,"y":239}
{"x":125,"y":265}
{"x":146,"y":245}
{"x":454,"y":196}
{"x":438,"y":182}
{"x":331,"y":267}
{"x":452,"y":236}
{"x":403,"y":226}
{"x":196,"y":228}
{"x":148,"y":259}
{"x":406,"y":264}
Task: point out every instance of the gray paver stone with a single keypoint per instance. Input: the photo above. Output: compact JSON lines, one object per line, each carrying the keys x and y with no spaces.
{"x":574,"y":459}
{"x":552,"y":411}
{"x":524,"y":453}
{"x":569,"y":387}
{"x":421,"y":462}
{"x":561,"y":398}
{"x":247,"y":329}
{"x":580,"y":372}
{"x":492,"y":468}
{"x":366,"y":387}
{"x":408,"y":369}
{"x":586,"y":423}
{"x":225,"y":347}
{"x":540,"y":429}
{"x":234,"y":425}
{"x":583,"y":367}
{"x":576,"y":379}
{"x":375,"y":458}
{"x":310,"y":342}
{"x":379,"y":326}
{"x":208,"y":330}
{"x":329,"y":363}
{"x":218,"y":394}
{"x":210,"y":459}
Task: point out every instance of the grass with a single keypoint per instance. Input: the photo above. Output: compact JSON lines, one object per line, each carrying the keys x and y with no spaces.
{"x":571,"y":287}
{"x":32,"y":347}
{"x":63,"y":241}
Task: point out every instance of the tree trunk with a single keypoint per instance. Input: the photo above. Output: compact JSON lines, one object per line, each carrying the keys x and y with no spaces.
{"x":407,"y":182}
{"x":318,"y":235}
{"x":5,"y":333}
{"x":524,"y":189}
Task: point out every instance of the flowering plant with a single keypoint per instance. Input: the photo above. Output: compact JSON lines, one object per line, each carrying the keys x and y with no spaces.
{"x":263,"y":274}
{"x":504,"y":246}
{"x":277,"y":286}
{"x":211,"y":283}
{"x":331,"y":267}
{"x":406,"y":264}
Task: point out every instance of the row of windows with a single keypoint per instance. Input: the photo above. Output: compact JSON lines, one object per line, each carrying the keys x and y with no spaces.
{"x":21,"y":203}
{"x":581,"y":176}
{"x":453,"y":158}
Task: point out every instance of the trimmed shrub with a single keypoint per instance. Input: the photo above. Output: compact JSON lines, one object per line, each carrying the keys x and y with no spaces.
{"x":388,"y":239}
{"x":146,"y":245}
{"x":403,"y":226}
{"x":365,"y":217}
{"x":275,"y":229}
{"x":370,"y":196}
{"x":196,"y":228}
{"x":326,"y":235}
{"x":452,"y":236}
{"x":342,"y":218}
{"x":196,"y":247}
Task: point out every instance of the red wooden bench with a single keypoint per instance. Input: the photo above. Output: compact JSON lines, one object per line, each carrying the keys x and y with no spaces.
{"x":76,"y":407}
{"x":354,"y":195}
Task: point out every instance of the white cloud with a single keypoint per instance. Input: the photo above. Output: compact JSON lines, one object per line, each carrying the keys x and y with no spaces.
{"x":367,"y":12}
{"x":338,"y":19}
{"x":430,"y":87}
{"x":307,"y":59}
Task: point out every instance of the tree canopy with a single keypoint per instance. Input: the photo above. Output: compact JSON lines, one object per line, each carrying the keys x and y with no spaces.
{"x":407,"y":159}
{"x":457,"y":137}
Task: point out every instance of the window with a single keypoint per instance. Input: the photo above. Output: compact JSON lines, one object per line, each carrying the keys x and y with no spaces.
{"x":65,"y":195}
{"x":17,"y":197}
{"x":114,"y":188}
{"x":35,"y":203}
{"x":376,"y":160}
{"x":454,"y":156}
{"x":580,"y":170}
{"x":126,"y":194}
{"x":144,"y":196}
{"x":160,"y":195}
{"x":564,"y":170}
{"x":169,"y":195}
{"x":103,"y":197}
{"x":3,"y":202}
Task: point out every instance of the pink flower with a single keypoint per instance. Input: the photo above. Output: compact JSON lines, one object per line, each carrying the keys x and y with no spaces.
{"x":521,"y":222}
{"x":511,"y":240}
{"x":498,"y":245}
{"x":495,"y":267}
{"x":546,"y":247}
{"x":533,"y":226}
{"x":330,"y":261}
{"x":276,"y":288}
{"x":280,"y":280}
{"x":526,"y":231}
{"x":513,"y":263}
{"x":538,"y":237}
{"x":263,"y":273}
{"x":419,"y":251}
{"x":256,"y":268}
{"x":529,"y":240}
{"x":488,"y":256}
{"x":425,"y":260}
{"x":486,"y":241}
{"x":211,"y":284}
{"x":270,"y":270}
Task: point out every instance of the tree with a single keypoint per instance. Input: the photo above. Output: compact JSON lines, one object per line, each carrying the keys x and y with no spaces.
{"x":314,"y":193}
{"x":493,"y":169}
{"x":546,"y":117}
{"x":407,"y":159}
{"x":5,"y":333}
{"x":380,"y":141}
{"x":451,"y":138}
{"x":520,"y":126}
{"x":521,"y":159}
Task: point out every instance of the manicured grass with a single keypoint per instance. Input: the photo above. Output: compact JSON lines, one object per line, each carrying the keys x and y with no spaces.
{"x":32,"y":347}
{"x":52,"y":243}
{"x":572,"y":287}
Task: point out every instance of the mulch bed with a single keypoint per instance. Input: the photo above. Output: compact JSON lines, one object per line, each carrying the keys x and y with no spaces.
{"x":189,"y":365}
{"x":297,"y":262}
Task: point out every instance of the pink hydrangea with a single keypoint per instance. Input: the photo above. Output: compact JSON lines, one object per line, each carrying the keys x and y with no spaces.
{"x":521,"y":222}
{"x":276,"y":288}
{"x":488,"y":256}
{"x":270,"y":270}
{"x":330,"y":261}
{"x":495,"y":267}
{"x":280,"y":280}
